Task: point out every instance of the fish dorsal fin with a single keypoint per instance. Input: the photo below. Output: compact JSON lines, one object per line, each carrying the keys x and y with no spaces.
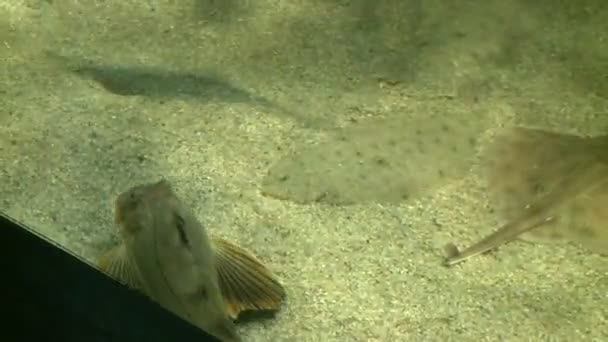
{"x":246,"y":284}
{"x":117,"y":264}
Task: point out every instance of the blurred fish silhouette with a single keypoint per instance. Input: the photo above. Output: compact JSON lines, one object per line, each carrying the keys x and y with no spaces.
{"x":161,"y":83}
{"x":167,"y":255}
{"x":550,"y":187}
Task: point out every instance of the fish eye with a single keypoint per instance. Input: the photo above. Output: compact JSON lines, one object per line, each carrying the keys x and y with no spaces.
{"x":180,"y":224}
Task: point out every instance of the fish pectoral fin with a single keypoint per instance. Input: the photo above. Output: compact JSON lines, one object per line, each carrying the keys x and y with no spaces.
{"x":117,"y":264}
{"x":246,"y":284}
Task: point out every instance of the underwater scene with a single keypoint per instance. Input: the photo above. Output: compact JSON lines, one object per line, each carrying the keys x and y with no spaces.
{"x":392,"y":170}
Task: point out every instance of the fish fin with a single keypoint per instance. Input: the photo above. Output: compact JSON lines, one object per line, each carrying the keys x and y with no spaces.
{"x":246,"y":284}
{"x":504,"y":234}
{"x":117,"y":264}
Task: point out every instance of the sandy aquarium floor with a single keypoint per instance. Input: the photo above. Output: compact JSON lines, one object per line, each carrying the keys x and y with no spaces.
{"x":99,"y":96}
